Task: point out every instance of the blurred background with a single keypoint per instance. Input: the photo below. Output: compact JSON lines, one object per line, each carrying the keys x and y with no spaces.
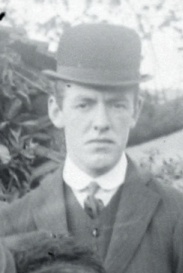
{"x":29,"y":35}
{"x":159,"y":23}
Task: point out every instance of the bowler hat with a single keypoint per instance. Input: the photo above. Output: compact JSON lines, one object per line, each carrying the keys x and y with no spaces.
{"x":98,"y":54}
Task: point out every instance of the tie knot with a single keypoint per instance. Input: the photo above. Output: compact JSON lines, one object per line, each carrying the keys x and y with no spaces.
{"x":93,"y":188}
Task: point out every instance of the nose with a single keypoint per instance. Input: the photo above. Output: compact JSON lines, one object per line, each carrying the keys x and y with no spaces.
{"x":101,"y":120}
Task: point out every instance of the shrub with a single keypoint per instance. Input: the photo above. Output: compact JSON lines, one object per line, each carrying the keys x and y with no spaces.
{"x":166,"y":170}
{"x":25,"y":132}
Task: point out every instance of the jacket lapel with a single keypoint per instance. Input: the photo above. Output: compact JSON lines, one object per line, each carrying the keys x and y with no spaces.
{"x":136,"y":208}
{"x":50,"y":214}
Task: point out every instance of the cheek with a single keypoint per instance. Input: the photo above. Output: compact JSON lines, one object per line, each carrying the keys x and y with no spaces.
{"x":123,"y":122}
{"x":77,"y":123}
{"x":74,"y":129}
{"x":71,"y":128}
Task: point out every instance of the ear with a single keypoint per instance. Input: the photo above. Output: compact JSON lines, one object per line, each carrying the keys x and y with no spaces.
{"x":137,"y":110}
{"x":55,"y":112}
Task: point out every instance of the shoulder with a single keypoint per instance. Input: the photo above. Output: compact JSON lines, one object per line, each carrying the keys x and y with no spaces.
{"x":36,"y":196}
{"x":18,"y":215}
{"x":47,"y":187}
{"x":51,"y":179}
{"x":171,"y":199}
{"x":168,"y":194}
{"x":6,"y":260}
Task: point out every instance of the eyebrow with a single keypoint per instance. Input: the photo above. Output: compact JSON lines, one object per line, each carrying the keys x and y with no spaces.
{"x":84,"y":98}
{"x":110,"y":98}
{"x":117,"y":99}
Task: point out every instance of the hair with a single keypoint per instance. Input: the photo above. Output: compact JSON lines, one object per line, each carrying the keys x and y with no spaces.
{"x":56,"y":255}
{"x":59,"y":93}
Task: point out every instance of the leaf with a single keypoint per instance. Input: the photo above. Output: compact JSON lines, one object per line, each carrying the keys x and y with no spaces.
{"x":13,"y":109}
{"x":25,"y":99}
{"x":3,"y":125}
{"x":15,"y":146}
{"x":3,"y":197}
{"x":25,"y":117}
{"x":28,"y":153}
{"x":48,"y":153}
{"x":41,"y":136}
{"x":5,"y":156}
{"x":14,"y":194}
{"x":4,"y":75}
{"x":44,"y":122}
{"x":10,"y":77}
{"x":7,"y":91}
{"x":15,"y":177}
{"x":31,"y":83}
{"x":29,"y":124}
{"x":16,"y":134}
{"x":34,"y":125}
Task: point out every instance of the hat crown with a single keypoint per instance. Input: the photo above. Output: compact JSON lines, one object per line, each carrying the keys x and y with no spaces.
{"x":98,"y":54}
{"x":100,"y":47}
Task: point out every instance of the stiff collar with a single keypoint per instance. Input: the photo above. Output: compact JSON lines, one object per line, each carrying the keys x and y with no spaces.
{"x":78,"y":180}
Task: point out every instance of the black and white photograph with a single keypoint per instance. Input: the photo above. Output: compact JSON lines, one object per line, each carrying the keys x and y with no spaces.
{"x":91,"y":136}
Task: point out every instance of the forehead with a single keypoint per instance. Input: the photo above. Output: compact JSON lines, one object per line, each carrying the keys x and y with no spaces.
{"x":76,"y":92}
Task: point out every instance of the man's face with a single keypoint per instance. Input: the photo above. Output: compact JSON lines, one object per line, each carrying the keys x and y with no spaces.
{"x":97,"y":125}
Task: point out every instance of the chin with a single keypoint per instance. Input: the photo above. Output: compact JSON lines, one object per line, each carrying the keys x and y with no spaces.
{"x":101,"y":166}
{"x":100,"y":171}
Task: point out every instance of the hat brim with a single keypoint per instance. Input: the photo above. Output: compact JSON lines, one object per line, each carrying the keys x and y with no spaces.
{"x":95,"y":77}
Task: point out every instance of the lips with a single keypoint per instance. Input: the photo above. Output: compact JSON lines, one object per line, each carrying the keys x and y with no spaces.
{"x":104,"y":140}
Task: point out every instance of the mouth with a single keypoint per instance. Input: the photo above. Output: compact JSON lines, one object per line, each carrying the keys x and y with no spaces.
{"x":101,"y":141}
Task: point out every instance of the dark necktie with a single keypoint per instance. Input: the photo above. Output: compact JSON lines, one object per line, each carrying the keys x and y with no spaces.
{"x":92,"y":205}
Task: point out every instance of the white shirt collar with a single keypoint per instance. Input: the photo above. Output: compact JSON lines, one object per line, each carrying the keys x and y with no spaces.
{"x":78,"y":180}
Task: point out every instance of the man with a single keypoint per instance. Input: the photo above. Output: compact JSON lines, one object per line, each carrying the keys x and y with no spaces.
{"x":7,"y":264}
{"x":99,"y":196}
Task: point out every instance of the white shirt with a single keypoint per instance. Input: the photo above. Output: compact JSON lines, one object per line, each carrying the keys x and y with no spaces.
{"x":109,"y":183}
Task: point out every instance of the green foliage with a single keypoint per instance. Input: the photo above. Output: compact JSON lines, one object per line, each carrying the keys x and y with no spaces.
{"x":24,"y":133}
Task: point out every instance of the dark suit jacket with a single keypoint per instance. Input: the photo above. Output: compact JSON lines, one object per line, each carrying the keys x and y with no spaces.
{"x":7,"y":264}
{"x":147,"y":235}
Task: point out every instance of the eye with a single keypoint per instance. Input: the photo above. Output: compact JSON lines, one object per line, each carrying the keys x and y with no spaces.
{"x":119,"y":105}
{"x":82,"y":105}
